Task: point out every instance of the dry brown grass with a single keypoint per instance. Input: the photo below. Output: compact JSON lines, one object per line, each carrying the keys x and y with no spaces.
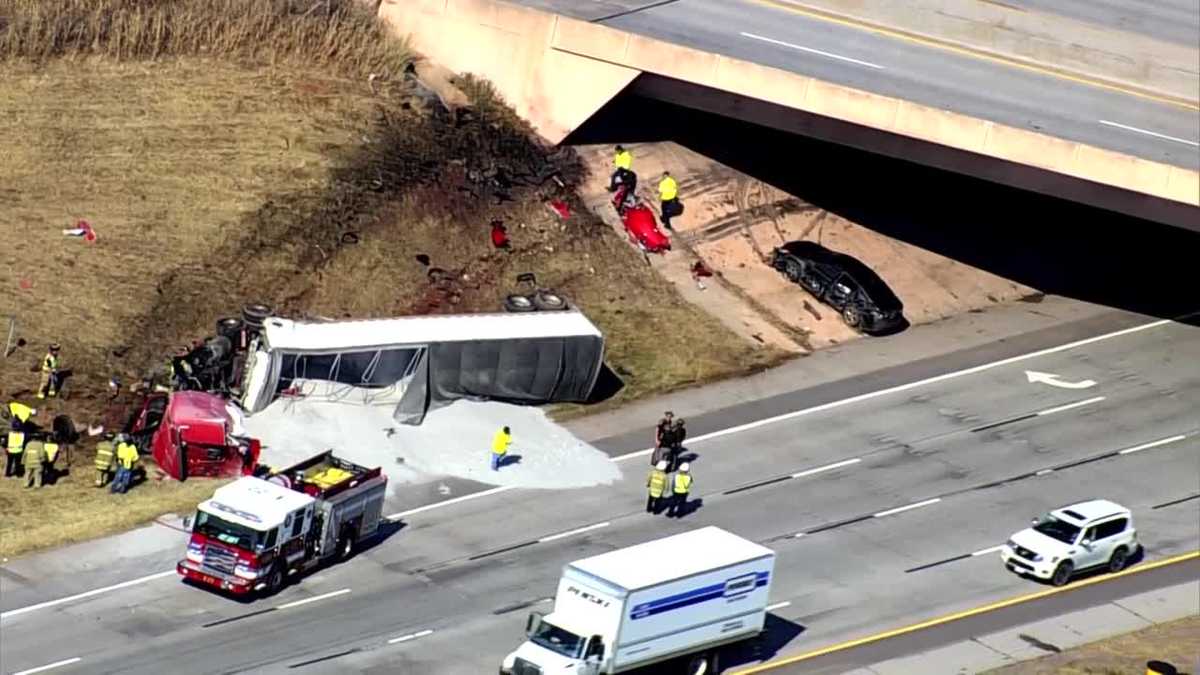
{"x":1176,"y":642}
{"x":224,"y":170}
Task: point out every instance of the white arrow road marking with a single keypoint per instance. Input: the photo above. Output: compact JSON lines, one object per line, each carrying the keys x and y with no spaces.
{"x":1054,"y":381}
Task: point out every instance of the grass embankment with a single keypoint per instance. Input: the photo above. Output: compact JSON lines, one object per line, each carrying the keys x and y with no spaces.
{"x":233,"y":151}
{"x":1175,"y":642}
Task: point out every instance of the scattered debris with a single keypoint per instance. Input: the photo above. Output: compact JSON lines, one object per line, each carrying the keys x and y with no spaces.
{"x":699,"y":271}
{"x":82,"y":229}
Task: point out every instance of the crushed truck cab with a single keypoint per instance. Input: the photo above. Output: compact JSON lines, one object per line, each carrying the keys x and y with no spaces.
{"x":193,"y":434}
{"x":254,"y":533}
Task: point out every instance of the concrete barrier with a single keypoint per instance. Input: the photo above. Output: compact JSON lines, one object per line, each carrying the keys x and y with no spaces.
{"x":557,"y":71}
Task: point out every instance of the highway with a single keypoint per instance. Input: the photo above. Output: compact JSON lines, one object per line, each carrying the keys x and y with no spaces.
{"x":885,"y":507}
{"x":784,"y":36}
{"x":1169,"y":20}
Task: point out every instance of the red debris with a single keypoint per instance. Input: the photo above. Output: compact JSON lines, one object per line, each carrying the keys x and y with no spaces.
{"x":560,"y":207}
{"x":499,"y":234}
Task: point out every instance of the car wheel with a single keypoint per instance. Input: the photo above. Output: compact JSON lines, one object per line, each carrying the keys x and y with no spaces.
{"x":794,"y":271}
{"x":852,"y":315}
{"x":518,"y":303}
{"x":1118,"y":560}
{"x":1062,"y":573}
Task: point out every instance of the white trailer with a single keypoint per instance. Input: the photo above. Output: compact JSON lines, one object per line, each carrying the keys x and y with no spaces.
{"x":669,"y":603}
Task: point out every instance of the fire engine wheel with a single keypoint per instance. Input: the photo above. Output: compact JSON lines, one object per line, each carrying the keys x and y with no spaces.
{"x":274,"y":581}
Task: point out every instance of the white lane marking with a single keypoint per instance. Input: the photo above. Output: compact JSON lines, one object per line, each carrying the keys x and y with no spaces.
{"x":315,"y":598}
{"x":778,"y":605}
{"x":48,"y":666}
{"x":448,"y":502}
{"x":1152,"y":444}
{"x":986,"y":551}
{"x":580,"y":530}
{"x":1136,"y":130}
{"x":1043,"y":472}
{"x":703,"y":437}
{"x":810,"y":50}
{"x":1069,"y":406}
{"x":410,"y":636}
{"x":827,"y":467}
{"x":913,"y":385}
{"x":918,"y":505}
{"x":51,"y":603}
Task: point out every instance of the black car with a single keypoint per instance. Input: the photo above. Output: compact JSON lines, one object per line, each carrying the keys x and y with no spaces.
{"x":842,"y":282}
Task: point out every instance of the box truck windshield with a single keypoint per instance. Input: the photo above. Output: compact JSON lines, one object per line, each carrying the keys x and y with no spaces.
{"x":557,"y":640}
{"x":228,"y":533}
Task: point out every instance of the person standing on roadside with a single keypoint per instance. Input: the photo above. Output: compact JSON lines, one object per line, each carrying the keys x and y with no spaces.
{"x":500,"y":443}
{"x":34,"y":457}
{"x":668,"y":194}
{"x":656,"y":487}
{"x":19,"y":416}
{"x":106,"y":460}
{"x":127,"y":459}
{"x":680,"y":487}
{"x":662,"y":438}
{"x":48,"y":386}
{"x":622,"y":171}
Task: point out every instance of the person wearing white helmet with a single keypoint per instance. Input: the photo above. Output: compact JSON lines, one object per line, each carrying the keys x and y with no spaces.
{"x":679,"y":491}
{"x":657,"y":487}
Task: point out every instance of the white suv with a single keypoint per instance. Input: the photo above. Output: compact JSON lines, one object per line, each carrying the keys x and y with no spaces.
{"x":1097,"y":533}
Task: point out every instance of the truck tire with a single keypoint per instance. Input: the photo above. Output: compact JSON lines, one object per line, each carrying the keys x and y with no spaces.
{"x":345,"y":543}
{"x":519,"y":303}
{"x":549,"y":301}
{"x":230,"y":327}
{"x":254,"y":313}
{"x":275,"y":581}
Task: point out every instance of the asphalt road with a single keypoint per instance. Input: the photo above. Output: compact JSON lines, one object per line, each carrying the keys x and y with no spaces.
{"x":772,"y":35}
{"x":974,"y":455}
{"x":1168,"y":20}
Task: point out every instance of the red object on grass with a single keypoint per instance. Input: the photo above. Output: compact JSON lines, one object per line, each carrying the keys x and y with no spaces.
{"x":643,"y":229}
{"x":499,"y":235}
{"x":25,"y":284}
{"x":560,"y":207}
{"x":89,"y":235}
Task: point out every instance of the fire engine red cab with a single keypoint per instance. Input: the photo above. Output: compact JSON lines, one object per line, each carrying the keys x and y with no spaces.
{"x":254,"y":533}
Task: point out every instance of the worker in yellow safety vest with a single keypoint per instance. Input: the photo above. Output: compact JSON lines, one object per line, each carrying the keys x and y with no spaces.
{"x":127,"y":459}
{"x":622,"y":171}
{"x":19,"y":416}
{"x":106,"y":461}
{"x":48,"y":386}
{"x":500,"y":443}
{"x":668,"y":195}
{"x":679,"y":491}
{"x":35,"y":454}
{"x":656,"y":486}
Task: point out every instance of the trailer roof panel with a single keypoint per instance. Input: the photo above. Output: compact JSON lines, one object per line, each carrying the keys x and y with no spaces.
{"x":288,"y":335}
{"x":675,"y":557}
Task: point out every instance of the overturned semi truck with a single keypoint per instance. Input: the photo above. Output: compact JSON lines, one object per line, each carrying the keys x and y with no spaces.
{"x":424,"y":362}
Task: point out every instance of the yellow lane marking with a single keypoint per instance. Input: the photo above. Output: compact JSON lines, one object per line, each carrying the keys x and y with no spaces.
{"x":980,"y":54}
{"x":850,"y":644}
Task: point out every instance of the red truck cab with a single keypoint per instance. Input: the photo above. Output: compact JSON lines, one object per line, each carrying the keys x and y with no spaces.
{"x":192,"y":433}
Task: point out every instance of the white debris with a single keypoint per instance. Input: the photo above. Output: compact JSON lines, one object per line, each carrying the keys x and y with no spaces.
{"x":452,"y":441}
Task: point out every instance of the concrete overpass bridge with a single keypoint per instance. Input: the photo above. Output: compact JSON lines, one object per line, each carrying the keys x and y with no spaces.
{"x":1099,"y":107}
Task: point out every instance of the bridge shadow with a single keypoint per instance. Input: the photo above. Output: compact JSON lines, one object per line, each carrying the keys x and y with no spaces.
{"x":1056,"y":246}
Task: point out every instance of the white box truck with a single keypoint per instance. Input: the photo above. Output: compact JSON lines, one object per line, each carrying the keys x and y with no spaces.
{"x":669,"y":604}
